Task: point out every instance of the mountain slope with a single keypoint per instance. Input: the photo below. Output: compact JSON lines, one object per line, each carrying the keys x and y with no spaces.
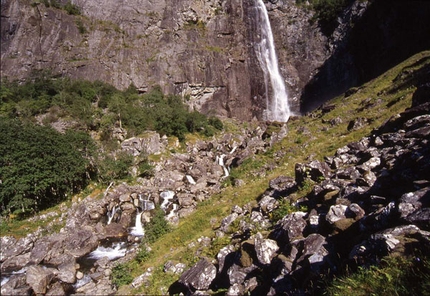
{"x":310,"y":137}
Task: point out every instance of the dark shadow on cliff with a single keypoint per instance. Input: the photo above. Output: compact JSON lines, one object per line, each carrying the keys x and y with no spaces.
{"x":389,"y":32}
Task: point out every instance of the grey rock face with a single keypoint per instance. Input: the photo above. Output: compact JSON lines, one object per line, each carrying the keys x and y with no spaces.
{"x":200,"y":276}
{"x":200,"y":50}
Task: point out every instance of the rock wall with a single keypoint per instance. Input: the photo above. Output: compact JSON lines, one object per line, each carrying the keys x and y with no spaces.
{"x":202,"y":50}
{"x":371,"y":38}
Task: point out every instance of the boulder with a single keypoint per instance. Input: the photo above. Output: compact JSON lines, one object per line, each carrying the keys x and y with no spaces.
{"x":265,"y":249}
{"x":413,"y":201}
{"x":39,"y":278}
{"x":67,"y":271}
{"x":16,"y":285}
{"x":80,"y":242}
{"x":335,"y":213}
{"x":289,"y":228}
{"x":200,"y":276}
{"x":10,"y":246}
{"x":315,"y":170}
{"x":56,"y":290}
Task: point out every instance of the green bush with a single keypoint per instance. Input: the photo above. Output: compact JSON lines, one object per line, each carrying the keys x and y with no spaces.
{"x":40,"y":166}
{"x":157,"y":227}
{"x":72,"y":9}
{"x":100,"y":107}
{"x":326,"y":12}
{"x":121,"y":275}
{"x":114,"y":167}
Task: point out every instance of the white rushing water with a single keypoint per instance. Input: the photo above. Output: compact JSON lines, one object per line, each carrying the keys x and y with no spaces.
{"x":111,"y":214}
{"x":138,"y":230}
{"x":220,"y":161}
{"x":117,"y":250}
{"x":278,"y":108}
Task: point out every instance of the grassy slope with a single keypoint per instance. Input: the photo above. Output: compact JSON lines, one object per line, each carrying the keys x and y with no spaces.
{"x":309,"y":136}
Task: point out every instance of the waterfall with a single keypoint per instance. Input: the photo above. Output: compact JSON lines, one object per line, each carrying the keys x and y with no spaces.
{"x":220,"y":161}
{"x":117,"y":250}
{"x":137,"y":230}
{"x":278,"y":108}
{"x":111,"y":214}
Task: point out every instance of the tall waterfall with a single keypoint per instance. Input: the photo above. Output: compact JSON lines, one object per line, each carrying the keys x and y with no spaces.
{"x":278,"y":108}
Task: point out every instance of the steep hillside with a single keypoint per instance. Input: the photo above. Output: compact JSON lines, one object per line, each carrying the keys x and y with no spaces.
{"x":300,"y":204}
{"x":371,"y":38}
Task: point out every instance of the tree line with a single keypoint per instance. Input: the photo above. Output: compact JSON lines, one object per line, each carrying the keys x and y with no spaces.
{"x":40,"y":166}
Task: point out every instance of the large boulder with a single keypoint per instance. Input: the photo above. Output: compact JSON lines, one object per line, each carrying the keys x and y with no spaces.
{"x":200,"y":276}
{"x":39,"y":278}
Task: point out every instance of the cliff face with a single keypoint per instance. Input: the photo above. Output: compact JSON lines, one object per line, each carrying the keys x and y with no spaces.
{"x":371,"y":38}
{"x":202,"y":50}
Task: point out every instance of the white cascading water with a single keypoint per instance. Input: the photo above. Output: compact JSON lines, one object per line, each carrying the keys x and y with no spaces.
{"x":117,"y":250}
{"x":111,"y":214}
{"x":138,"y":230}
{"x":278,"y":108}
{"x":220,"y":161}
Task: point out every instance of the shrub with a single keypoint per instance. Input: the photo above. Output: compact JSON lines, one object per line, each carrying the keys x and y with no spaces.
{"x":72,"y":9}
{"x":121,"y":275}
{"x":157,"y":227}
{"x":40,"y":166}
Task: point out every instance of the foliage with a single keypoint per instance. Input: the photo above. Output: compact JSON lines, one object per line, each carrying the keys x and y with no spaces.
{"x":121,"y":275}
{"x":142,"y":255}
{"x":157,"y":227}
{"x":72,"y":9}
{"x":326,"y":12}
{"x":100,"y":107}
{"x":114,"y":167}
{"x":40,"y":166}
{"x":395,"y":276}
{"x":146,"y":169}
{"x":284,"y":208}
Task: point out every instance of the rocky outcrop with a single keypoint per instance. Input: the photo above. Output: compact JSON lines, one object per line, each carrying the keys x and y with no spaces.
{"x":371,"y":199}
{"x":57,"y":262}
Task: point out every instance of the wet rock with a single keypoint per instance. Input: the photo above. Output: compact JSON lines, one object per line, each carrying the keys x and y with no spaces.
{"x":114,"y":230}
{"x":200,"y":276}
{"x":39,"y":278}
{"x":56,"y":290}
{"x":16,"y":285}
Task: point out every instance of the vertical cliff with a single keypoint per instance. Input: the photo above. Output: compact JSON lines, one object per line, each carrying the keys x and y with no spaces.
{"x":202,"y":50}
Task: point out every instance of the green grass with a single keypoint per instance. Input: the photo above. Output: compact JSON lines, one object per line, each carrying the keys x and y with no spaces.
{"x":317,"y":142}
{"x":308,"y":137}
{"x":394,"y":276}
